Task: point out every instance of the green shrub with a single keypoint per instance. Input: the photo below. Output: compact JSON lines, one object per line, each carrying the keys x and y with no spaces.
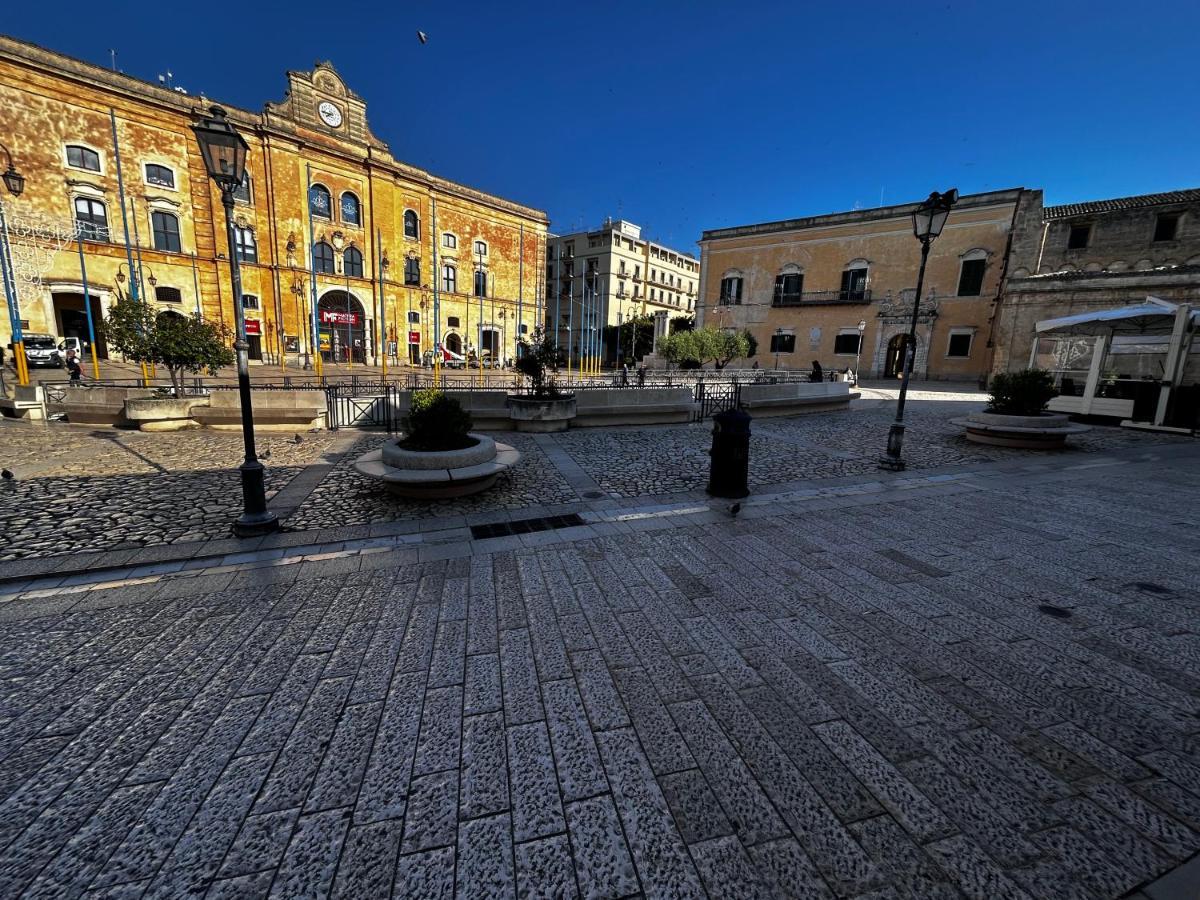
{"x":1024,"y":393}
{"x":436,"y":422}
{"x":536,"y":360}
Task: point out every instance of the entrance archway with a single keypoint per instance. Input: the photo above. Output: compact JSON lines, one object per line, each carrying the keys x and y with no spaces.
{"x":71,"y":319}
{"x":893,"y":366}
{"x":454,"y":343}
{"x":343,"y":327}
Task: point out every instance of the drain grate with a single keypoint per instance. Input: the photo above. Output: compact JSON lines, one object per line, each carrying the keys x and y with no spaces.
{"x":1056,"y":611}
{"x":593,"y":495}
{"x":525,"y":526}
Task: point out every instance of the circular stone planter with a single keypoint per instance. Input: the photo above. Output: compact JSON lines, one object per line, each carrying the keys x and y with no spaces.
{"x":542,"y":414}
{"x":1047,"y":431}
{"x":163,"y":414}
{"x":438,"y":474}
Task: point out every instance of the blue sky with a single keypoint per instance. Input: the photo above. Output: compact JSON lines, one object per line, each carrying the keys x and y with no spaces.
{"x":686,"y":116}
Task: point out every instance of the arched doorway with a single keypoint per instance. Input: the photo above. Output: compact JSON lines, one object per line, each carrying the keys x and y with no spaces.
{"x":893,"y":366}
{"x":343,"y":327}
{"x":454,"y":343}
{"x":71,"y":318}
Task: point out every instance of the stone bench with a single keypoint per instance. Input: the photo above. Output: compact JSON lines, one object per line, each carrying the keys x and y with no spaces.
{"x":84,"y":405}
{"x":794,"y":398}
{"x":286,"y":410}
{"x":28,"y":402}
{"x":633,"y":406}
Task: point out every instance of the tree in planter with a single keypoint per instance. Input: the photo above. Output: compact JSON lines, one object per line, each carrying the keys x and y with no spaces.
{"x":178,"y":343}
{"x":436,"y":422}
{"x":1023,"y":393}
{"x":536,"y":360}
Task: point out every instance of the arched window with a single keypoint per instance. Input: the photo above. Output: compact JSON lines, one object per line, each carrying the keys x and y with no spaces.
{"x":319,"y":203}
{"x":412,"y":270}
{"x":351,"y":213}
{"x":412,"y":225}
{"x":91,"y":219}
{"x":323,"y":258}
{"x":480,"y":283}
{"x":731,"y":288}
{"x":166,"y":231}
{"x":82,"y":158}
{"x":449,"y":279}
{"x":971,"y":270}
{"x":352,"y":260}
{"x":481,"y":248}
{"x":789,"y":286}
{"x":244,"y":192}
{"x":160,"y":175}
{"x":450,"y":241}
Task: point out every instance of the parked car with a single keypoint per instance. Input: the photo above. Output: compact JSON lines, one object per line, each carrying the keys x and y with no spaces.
{"x":41,"y":350}
{"x":71,"y":343}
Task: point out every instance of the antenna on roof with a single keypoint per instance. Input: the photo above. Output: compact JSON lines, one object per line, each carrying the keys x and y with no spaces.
{"x":113,"y":56}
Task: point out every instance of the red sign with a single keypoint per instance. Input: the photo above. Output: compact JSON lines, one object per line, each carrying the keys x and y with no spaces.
{"x":414,"y":337}
{"x":338,"y":318}
{"x":253,"y":326}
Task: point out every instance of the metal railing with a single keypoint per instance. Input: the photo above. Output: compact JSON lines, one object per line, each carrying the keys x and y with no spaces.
{"x":821,"y":298}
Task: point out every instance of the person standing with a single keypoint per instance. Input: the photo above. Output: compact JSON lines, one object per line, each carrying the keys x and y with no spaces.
{"x":642,"y":375}
{"x":73,"y":368}
{"x":816,"y":375}
{"x":624,"y":374}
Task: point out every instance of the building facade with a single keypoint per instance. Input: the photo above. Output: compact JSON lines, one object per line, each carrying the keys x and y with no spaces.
{"x":327,"y":219}
{"x":802,"y":287}
{"x":608,"y":276}
{"x":1083,"y":257}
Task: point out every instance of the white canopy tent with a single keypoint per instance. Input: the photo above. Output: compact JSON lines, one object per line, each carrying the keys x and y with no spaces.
{"x":1155,"y":317}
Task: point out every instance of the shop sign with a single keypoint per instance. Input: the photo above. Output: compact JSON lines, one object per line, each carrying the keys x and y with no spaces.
{"x":414,"y":337}
{"x":329,"y":317}
{"x":253,"y":327}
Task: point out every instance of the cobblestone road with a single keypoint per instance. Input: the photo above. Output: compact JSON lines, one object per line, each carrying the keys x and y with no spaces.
{"x":106,"y":490}
{"x":986,"y":691}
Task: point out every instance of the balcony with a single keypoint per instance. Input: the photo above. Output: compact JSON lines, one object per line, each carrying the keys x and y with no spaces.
{"x":821,"y":298}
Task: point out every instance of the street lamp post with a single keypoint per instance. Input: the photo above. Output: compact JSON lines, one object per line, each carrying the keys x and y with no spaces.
{"x":14,"y":182}
{"x":862,"y":327}
{"x":778,"y":336}
{"x":928,"y":220}
{"x":224,"y":152}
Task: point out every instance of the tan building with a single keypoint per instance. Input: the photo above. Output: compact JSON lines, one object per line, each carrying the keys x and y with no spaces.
{"x":387,"y":239}
{"x":610,"y":275}
{"x":802,"y":287}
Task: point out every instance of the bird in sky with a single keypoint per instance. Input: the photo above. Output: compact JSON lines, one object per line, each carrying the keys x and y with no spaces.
{"x":422,"y":37}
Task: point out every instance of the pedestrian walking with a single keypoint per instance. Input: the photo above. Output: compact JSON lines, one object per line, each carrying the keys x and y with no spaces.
{"x":642,"y":375}
{"x":73,"y":368}
{"x":625,"y":374}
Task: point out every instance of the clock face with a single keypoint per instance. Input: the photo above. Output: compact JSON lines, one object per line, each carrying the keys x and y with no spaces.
{"x":330,"y":114}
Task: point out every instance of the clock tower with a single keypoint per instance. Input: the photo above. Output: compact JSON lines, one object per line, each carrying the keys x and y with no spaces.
{"x":320,"y":101}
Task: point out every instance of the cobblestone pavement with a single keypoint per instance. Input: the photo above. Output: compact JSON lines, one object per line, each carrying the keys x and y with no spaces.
{"x":981,"y":689}
{"x":103,"y":490}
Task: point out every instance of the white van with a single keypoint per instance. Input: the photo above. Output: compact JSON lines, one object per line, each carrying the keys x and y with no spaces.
{"x":71,"y":343}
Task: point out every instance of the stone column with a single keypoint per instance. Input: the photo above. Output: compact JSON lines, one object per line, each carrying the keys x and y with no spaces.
{"x":660,"y":328}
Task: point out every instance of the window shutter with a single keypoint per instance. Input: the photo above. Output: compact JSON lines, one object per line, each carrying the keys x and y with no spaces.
{"x":780,"y":285}
{"x":846,"y":279}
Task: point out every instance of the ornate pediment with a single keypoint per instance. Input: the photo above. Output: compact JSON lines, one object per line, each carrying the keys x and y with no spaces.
{"x":320,"y":101}
{"x":901,"y":306}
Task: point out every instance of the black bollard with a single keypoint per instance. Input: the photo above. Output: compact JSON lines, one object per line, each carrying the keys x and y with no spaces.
{"x":729,"y":469}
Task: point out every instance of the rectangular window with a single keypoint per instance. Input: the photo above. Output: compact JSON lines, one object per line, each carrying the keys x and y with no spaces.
{"x":960,"y":345}
{"x":854,"y":285}
{"x":449,"y":279}
{"x":846,"y":343}
{"x":166,"y":232}
{"x":412,"y":271}
{"x":731,"y":291}
{"x":788,"y":288}
{"x":241,"y":193}
{"x":249,"y":301}
{"x":247,"y":249}
{"x":168,"y":295}
{"x":414,"y":318}
{"x":783,"y":343}
{"x":480,"y":283}
{"x":1166,"y":227}
{"x":1079,"y":237}
{"x":452,"y":322}
{"x":970,"y":277}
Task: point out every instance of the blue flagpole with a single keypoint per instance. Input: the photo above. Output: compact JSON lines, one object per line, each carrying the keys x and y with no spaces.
{"x":314,"y":342}
{"x":87,"y":304}
{"x":133,"y":280}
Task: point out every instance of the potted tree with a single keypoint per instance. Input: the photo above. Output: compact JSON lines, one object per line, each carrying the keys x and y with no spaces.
{"x":542,"y":407}
{"x":176,"y":342}
{"x":438,"y":455}
{"x":1016,"y":414}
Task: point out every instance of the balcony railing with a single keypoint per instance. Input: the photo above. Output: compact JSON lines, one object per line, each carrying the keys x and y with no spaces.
{"x":821,"y":298}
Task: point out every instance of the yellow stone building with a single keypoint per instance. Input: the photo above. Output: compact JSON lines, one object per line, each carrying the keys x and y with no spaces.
{"x":802,"y":287}
{"x":388,"y":240}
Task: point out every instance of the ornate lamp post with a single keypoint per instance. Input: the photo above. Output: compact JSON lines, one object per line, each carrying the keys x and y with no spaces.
{"x":862,"y":327}
{"x":224,"y":152}
{"x":928,"y":220}
{"x":14,"y":182}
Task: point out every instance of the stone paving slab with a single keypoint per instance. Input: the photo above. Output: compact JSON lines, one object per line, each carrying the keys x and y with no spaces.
{"x":739,"y":707}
